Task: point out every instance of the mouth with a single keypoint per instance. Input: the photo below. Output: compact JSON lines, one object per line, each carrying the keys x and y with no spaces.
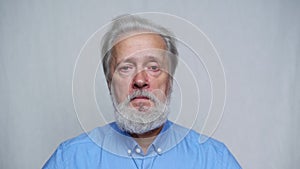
{"x":141,"y":102}
{"x":140,"y":98}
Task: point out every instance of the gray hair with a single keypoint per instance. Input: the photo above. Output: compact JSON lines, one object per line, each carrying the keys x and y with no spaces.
{"x":125,"y":24}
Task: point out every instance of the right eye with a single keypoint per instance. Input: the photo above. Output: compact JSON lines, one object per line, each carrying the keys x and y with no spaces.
{"x":125,"y":69}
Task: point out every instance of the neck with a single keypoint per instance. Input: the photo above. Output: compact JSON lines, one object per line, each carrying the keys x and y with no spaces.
{"x":146,"y":139}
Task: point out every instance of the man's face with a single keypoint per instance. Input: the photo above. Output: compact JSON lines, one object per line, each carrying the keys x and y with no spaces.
{"x":140,"y":63}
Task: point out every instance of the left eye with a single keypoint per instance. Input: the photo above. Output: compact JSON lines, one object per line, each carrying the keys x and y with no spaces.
{"x":153,"y":68}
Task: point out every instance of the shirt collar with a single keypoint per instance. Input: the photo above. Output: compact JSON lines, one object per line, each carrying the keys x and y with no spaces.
{"x":118,"y":142}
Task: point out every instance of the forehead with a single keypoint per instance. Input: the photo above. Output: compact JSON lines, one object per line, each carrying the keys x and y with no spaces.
{"x":141,"y":43}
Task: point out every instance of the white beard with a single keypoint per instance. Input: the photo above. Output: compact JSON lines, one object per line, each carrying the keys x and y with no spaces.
{"x":143,"y":119}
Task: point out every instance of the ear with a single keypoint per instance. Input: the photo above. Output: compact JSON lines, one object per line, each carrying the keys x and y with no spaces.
{"x":109,"y":86}
{"x":170,"y":85}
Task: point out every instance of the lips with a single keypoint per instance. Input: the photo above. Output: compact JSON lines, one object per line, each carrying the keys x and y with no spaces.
{"x":140,"y":97}
{"x":142,"y":103}
{"x":140,"y":100}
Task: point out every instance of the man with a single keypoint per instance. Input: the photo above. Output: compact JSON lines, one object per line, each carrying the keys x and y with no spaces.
{"x":139,"y":60}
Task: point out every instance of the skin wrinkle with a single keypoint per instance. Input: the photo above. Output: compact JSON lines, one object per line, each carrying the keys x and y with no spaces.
{"x":144,"y":116}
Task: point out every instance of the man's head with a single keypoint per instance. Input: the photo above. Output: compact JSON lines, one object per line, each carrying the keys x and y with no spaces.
{"x":139,"y":59}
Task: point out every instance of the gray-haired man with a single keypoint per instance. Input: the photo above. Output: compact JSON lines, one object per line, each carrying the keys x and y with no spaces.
{"x":139,"y":60}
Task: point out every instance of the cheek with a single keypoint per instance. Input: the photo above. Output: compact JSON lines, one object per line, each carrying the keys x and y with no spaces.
{"x":120,"y":89}
{"x":161,"y":88}
{"x":164,"y":83}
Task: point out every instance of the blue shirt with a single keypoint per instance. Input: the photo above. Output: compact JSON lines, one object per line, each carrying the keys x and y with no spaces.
{"x":108,"y":147}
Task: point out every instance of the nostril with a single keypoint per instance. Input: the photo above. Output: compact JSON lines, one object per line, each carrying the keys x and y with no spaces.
{"x":140,"y":85}
{"x":140,"y":80}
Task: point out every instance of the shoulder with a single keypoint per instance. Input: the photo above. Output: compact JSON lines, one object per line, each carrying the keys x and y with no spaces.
{"x":195,"y":139}
{"x":205,"y":142}
{"x":210,"y":150}
{"x":88,"y":141}
{"x":83,"y":140}
{"x":73,"y":152}
{"x":90,"y":138}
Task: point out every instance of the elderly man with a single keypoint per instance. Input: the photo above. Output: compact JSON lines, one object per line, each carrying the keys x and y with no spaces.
{"x":139,"y":59}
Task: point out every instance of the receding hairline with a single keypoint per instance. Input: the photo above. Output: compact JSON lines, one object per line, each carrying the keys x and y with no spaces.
{"x":114,"y":56}
{"x":130,"y":24}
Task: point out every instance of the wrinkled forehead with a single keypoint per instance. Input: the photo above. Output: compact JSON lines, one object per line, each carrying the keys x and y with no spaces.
{"x":144,"y":56}
{"x":139,"y":46}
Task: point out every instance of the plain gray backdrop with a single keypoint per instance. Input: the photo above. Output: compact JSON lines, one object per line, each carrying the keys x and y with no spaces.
{"x":258,"y":42}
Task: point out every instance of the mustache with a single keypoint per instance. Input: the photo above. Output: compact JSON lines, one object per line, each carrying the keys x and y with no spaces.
{"x":143,"y":93}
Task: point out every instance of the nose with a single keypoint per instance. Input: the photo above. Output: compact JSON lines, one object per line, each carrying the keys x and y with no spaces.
{"x":140,"y":80}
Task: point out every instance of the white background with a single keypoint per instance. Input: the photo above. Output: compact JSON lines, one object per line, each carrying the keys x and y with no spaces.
{"x":258,"y":42}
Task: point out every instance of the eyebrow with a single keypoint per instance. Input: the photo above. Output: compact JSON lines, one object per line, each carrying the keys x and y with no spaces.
{"x":132,"y":59}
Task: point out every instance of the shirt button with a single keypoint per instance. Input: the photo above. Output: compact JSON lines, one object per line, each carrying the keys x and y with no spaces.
{"x":129,"y":151}
{"x":138,"y":150}
{"x":159,"y":150}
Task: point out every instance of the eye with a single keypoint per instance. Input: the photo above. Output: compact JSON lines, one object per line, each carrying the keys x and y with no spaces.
{"x":153,"y":68}
{"x":125,"y":69}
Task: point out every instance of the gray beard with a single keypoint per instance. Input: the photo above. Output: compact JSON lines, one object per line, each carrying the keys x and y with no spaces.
{"x":143,"y":119}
